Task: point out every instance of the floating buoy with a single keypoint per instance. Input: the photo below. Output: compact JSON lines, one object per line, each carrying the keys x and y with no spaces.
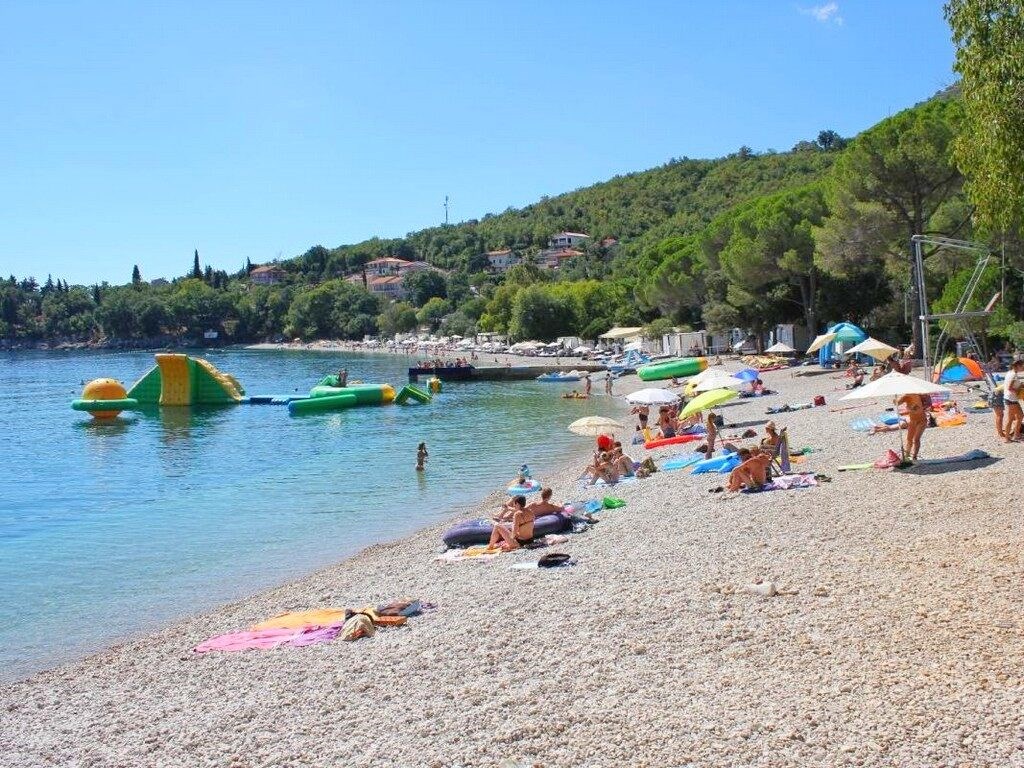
{"x":104,"y":389}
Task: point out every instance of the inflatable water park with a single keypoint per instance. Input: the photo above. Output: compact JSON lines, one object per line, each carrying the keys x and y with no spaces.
{"x":180,"y":380}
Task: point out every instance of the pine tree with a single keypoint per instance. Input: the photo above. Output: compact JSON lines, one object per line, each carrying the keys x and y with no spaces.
{"x":208,"y":275}
{"x":248,"y":265}
{"x":48,"y":286}
{"x":136,"y":275}
{"x":96,"y":297}
{"x":197,"y":271}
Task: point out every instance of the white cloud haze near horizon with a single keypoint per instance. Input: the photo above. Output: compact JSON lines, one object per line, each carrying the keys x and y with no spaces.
{"x":827,"y":13}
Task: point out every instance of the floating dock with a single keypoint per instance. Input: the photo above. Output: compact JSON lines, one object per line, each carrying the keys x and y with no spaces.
{"x":499,"y":372}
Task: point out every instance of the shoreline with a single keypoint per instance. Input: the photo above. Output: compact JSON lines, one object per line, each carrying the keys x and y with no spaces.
{"x":894,"y":641}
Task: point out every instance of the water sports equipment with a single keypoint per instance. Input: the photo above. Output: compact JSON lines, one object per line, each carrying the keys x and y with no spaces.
{"x":575,"y":396}
{"x":955,"y":369}
{"x":176,"y":380}
{"x":682,"y":462}
{"x":556,"y":376}
{"x":321,"y":404}
{"x":478,"y":531}
{"x":530,"y":486}
{"x":677,"y":440}
{"x":409,"y":392}
{"x":720,"y":464}
{"x":434,"y":384}
{"x":683,"y":366}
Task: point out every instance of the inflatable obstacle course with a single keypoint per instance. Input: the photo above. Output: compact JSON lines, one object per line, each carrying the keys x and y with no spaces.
{"x":327,"y":398}
{"x":683,"y":366}
{"x":176,"y":380}
{"x":409,"y":392}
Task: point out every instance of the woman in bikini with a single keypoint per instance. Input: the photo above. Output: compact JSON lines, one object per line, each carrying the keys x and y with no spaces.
{"x":917,"y":421}
{"x":519,"y":532}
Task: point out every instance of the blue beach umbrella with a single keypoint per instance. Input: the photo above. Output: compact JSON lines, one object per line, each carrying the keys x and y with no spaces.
{"x":748,"y":374}
{"x":847,"y":333}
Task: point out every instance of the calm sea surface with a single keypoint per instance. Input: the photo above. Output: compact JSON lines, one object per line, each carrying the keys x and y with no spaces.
{"x":109,"y":530}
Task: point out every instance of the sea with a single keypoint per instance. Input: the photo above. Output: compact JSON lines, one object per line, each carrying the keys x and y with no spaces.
{"x":109,"y":530}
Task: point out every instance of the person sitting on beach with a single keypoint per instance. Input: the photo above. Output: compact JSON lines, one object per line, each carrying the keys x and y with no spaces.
{"x":603,"y":468}
{"x":858,"y":378}
{"x":772,"y":436}
{"x":878,"y":372}
{"x":623,"y":463}
{"x":544,"y":506}
{"x":752,"y":473}
{"x":518,"y":531}
{"x":665,"y":423}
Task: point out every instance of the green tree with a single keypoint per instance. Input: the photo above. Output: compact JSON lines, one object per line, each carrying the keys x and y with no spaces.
{"x":539,"y":313}
{"x":423,"y":285}
{"x":989,"y":150}
{"x":433,"y":311}
{"x":136,"y":275}
{"x":197,"y":271}
{"x":399,"y":317}
{"x":196,"y":307}
{"x":895,"y":180}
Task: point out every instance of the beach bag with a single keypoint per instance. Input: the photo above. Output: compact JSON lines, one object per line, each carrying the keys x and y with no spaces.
{"x":819,"y":400}
{"x":553,"y":560}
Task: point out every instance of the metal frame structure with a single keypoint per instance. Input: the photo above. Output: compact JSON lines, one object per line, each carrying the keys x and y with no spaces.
{"x":960,"y":313}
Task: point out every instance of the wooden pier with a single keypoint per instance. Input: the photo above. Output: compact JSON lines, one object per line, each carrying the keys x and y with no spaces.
{"x":499,"y":372}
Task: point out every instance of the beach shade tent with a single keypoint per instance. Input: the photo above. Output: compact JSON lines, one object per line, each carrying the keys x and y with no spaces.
{"x":780,"y":349}
{"x":748,"y":375}
{"x":872,"y":347}
{"x":706,"y":400}
{"x":719,"y":382}
{"x":652,"y":396}
{"x":847,"y":333}
{"x":592,"y":426}
{"x":895,"y":385}
{"x":956,"y":369}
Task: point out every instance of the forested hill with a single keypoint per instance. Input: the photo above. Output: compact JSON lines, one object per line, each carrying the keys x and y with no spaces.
{"x":749,"y":240}
{"x":638,"y":209}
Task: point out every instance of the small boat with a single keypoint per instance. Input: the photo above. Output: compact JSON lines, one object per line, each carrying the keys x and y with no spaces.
{"x":559,"y":376}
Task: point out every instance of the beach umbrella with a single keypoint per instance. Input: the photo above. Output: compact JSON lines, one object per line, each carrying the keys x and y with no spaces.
{"x":779,"y":349}
{"x":748,"y":375}
{"x":708,"y":400}
{"x":652,"y":396}
{"x":895,"y":384}
{"x":719,"y":382}
{"x":821,"y":341}
{"x":872,"y":347}
{"x":592,"y":426}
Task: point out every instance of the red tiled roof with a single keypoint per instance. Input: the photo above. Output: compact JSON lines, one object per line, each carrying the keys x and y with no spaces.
{"x":266,"y":269}
{"x":388,"y":260}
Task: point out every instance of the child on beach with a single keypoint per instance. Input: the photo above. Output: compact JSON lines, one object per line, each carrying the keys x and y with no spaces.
{"x":421,"y":457}
{"x":711,"y":429}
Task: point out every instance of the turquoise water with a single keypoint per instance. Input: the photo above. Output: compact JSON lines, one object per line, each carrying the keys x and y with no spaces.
{"x":110,"y":530}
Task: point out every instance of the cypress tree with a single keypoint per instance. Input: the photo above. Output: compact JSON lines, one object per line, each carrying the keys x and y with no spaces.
{"x":197,"y":272}
{"x":136,"y":275}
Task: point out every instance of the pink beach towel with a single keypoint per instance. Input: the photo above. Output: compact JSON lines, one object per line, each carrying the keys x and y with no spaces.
{"x":265,"y":639}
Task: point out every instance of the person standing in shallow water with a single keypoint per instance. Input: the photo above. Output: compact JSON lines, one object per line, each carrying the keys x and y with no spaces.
{"x":608,"y":383}
{"x":421,"y":457}
{"x":586,"y":386}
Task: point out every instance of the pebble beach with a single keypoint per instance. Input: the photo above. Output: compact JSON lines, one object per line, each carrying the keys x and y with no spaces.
{"x":874,"y":620}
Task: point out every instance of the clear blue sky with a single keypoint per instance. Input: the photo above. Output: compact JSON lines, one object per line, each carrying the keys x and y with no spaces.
{"x":134,"y":132}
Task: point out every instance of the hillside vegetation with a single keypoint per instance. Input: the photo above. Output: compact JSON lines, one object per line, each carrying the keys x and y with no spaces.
{"x":750,"y":240}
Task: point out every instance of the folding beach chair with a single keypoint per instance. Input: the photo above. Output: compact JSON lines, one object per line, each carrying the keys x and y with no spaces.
{"x":780,"y":456}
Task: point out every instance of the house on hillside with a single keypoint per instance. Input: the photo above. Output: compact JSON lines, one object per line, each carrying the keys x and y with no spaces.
{"x":384,"y":277}
{"x":268,"y":274}
{"x":567,"y":240}
{"x":554,"y":258}
{"x":502,"y":260}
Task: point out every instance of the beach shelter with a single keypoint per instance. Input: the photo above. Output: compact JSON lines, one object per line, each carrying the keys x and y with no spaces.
{"x":652,"y":396}
{"x":847,"y":333}
{"x":895,"y":385}
{"x":872,"y":347}
{"x":779,"y":348}
{"x":820,"y":341}
{"x":707,"y":400}
{"x":748,"y":375}
{"x":592,"y":426}
{"x":955,"y":369}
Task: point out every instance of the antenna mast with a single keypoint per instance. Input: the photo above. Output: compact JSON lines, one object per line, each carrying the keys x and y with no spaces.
{"x":446,"y":210}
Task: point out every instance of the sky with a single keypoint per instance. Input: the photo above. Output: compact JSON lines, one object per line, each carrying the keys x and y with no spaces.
{"x":136,"y":132}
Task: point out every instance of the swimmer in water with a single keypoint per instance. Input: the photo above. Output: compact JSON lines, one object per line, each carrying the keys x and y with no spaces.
{"x":421,"y":457}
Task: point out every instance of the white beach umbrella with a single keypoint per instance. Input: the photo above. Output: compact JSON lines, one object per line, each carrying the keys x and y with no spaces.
{"x":894,"y":385}
{"x":719,"y":382}
{"x":873,"y":348}
{"x":652,"y":396}
{"x":779,"y":349}
{"x":820,"y":342}
{"x":595,"y":425}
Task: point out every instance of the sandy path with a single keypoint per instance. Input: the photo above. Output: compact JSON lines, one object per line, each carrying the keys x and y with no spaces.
{"x":899,"y":645}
